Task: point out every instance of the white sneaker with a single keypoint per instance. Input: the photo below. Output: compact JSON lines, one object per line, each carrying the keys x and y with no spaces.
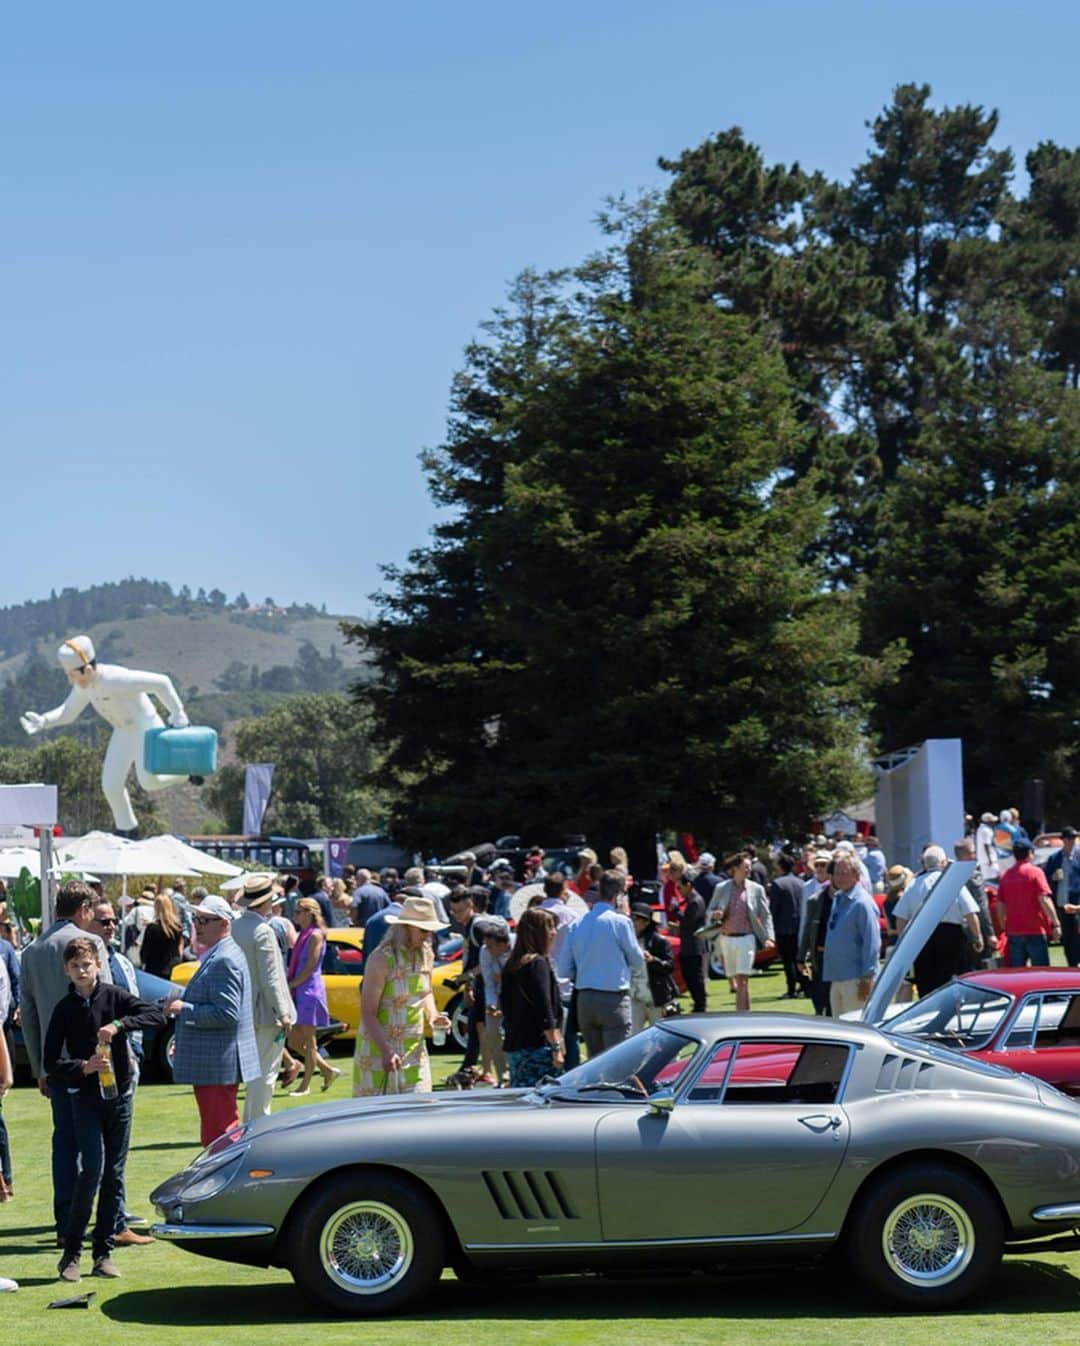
{"x":6,"y":1285}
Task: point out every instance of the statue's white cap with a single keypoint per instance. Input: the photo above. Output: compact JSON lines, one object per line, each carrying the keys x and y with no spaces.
{"x":75,"y":652}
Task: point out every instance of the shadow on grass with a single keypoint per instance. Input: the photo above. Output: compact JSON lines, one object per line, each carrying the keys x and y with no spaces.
{"x":1022,"y":1288}
{"x":168,"y":1145}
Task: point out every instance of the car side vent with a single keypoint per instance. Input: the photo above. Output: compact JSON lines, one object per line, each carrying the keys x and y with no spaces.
{"x":890,"y":1068}
{"x":903,"y":1072}
{"x":528,"y":1195}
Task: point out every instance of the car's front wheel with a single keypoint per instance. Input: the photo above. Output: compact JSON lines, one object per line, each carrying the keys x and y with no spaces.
{"x":926,"y":1236}
{"x":366,"y":1244}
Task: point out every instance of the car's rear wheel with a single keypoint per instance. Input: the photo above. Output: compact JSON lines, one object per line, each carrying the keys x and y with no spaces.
{"x":926,"y":1236}
{"x":366,"y":1244}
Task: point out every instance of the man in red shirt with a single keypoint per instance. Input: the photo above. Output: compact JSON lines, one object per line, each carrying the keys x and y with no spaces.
{"x":1025,"y":895}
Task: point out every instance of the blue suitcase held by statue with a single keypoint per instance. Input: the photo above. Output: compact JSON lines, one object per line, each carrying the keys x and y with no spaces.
{"x":180,"y":752}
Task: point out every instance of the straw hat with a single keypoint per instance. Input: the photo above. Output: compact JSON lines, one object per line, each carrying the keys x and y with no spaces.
{"x":418,"y":911}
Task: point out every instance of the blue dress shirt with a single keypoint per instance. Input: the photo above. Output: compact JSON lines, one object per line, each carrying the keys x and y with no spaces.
{"x":600,"y":951}
{"x":853,"y":938}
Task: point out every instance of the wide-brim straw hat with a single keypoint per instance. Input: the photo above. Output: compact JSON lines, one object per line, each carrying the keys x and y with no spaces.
{"x":418,"y":911}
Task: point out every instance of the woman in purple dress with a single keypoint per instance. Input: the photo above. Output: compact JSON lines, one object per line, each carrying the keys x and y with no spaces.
{"x":309,"y":993}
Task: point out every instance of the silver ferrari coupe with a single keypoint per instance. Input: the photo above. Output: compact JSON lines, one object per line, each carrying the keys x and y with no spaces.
{"x":704,"y":1141}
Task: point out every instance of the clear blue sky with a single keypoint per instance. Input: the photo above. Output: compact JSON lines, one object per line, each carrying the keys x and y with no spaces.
{"x":243,"y":245}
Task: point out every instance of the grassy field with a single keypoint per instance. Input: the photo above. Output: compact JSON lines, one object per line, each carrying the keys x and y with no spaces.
{"x":167,"y":1296}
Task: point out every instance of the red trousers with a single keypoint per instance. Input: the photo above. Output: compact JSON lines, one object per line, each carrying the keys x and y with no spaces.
{"x":217,"y":1110}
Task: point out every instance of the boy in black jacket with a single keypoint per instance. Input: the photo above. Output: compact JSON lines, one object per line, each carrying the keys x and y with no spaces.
{"x":83,"y":1027}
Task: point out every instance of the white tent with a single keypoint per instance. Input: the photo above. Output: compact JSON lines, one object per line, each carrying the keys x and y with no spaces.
{"x":168,"y":855}
{"x":14,"y":859}
{"x":174,"y":852}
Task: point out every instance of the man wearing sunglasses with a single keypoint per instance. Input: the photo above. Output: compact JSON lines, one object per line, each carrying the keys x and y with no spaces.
{"x":215,"y":1028}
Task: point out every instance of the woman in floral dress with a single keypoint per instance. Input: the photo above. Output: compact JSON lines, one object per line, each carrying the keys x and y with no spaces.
{"x":395,"y":996}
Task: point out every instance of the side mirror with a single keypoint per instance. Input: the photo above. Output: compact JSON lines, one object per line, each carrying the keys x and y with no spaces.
{"x":660,"y":1104}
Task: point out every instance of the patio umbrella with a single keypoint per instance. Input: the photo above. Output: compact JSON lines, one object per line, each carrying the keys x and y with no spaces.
{"x":14,"y":859}
{"x":173,"y":852}
{"x":100,"y":851}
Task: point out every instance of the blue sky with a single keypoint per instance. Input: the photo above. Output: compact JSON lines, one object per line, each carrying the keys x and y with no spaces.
{"x":244,"y":245}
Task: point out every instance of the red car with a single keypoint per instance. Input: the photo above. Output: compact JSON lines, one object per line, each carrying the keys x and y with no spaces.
{"x":1026,"y":1019}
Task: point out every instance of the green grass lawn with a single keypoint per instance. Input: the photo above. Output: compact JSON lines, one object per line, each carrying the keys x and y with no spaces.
{"x":168,"y":1296}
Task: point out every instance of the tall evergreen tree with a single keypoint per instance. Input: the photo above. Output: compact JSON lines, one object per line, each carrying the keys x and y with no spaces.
{"x":615,"y":629}
{"x":980,"y":564}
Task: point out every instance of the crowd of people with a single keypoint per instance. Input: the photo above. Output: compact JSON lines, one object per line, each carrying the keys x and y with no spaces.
{"x":580,"y":960}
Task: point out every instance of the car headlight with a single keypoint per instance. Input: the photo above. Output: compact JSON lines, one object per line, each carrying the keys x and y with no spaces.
{"x":209,"y":1180}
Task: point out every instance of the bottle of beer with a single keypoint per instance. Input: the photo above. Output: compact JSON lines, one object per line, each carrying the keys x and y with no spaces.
{"x":107,"y":1077}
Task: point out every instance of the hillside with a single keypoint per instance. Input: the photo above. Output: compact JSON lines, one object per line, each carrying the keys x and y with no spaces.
{"x":196,"y":648}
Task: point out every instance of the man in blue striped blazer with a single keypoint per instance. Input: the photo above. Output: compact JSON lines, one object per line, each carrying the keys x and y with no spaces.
{"x":215,"y":1032}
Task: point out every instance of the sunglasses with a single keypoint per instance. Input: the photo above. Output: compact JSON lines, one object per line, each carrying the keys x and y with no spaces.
{"x":106,"y":920}
{"x":205,"y":920}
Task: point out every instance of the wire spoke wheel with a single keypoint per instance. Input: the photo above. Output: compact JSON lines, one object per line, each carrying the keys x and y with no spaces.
{"x":366,"y":1247}
{"x":928,"y":1240}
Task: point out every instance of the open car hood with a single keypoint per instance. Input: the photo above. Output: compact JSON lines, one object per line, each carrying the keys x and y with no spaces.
{"x":911,"y":942}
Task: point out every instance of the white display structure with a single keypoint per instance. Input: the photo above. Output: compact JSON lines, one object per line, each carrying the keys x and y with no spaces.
{"x":919,"y":798}
{"x":35,"y":806}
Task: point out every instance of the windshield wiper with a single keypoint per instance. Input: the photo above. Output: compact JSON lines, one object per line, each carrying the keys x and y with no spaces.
{"x":627,"y":1090}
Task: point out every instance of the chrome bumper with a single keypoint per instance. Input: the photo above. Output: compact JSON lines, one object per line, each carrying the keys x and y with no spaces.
{"x":186,"y":1232}
{"x":1069,"y":1211}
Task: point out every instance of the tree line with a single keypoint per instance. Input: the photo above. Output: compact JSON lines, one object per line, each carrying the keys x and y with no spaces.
{"x":783,"y":475}
{"x":23,"y":625}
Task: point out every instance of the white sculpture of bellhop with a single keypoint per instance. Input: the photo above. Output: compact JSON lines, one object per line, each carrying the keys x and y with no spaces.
{"x":122,"y":697}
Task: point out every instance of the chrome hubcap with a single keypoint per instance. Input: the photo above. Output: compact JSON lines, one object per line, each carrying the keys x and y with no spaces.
{"x":928,"y":1240}
{"x":366,"y":1247}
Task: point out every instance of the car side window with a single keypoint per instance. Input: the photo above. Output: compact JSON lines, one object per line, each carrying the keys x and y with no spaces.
{"x":331,"y":961}
{"x":1051,"y":1020}
{"x":755,"y":1072}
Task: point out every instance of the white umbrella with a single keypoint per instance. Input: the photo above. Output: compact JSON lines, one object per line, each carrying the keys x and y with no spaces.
{"x":521,"y":897}
{"x":14,"y":859}
{"x":173,"y":853}
{"x":99,"y":851}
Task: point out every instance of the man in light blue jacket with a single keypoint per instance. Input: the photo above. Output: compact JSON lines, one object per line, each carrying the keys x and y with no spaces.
{"x":215,"y":1032}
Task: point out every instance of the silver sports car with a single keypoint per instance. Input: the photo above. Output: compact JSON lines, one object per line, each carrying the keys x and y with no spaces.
{"x":701,"y":1141}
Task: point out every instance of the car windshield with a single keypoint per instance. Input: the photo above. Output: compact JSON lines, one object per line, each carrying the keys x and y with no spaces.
{"x":960,"y":1014}
{"x":642,"y":1065}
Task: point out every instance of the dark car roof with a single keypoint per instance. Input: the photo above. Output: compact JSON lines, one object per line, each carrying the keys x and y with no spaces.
{"x":1022,"y":980}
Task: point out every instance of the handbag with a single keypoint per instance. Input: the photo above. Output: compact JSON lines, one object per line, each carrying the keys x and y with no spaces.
{"x":394,"y":1083}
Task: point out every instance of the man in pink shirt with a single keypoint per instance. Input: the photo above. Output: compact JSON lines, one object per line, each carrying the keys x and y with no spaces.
{"x":1025,"y":895}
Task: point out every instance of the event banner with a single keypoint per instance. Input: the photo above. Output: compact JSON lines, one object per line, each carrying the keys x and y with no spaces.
{"x":257,"y":779}
{"x":335,"y":855}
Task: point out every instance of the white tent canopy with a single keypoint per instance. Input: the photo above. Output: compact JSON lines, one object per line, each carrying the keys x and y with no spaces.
{"x":14,"y":859}
{"x":108,"y":854}
{"x":178,"y":852}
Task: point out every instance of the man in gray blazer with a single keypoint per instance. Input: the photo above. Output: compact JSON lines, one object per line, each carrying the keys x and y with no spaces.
{"x":273,"y":1008}
{"x":215,"y":1033}
{"x":44,"y":983}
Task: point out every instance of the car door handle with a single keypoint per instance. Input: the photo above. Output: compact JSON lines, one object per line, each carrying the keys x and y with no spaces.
{"x":821,"y":1121}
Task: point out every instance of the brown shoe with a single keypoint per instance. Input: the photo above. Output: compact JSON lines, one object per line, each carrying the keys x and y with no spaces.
{"x":105,"y":1266}
{"x":68,"y":1268}
{"x":129,"y":1239}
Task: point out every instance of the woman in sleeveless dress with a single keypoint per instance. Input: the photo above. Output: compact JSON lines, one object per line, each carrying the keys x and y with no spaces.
{"x":395,"y":998}
{"x":309,"y":993}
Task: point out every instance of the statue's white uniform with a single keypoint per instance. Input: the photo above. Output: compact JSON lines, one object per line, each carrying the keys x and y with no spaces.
{"x":121,"y":696}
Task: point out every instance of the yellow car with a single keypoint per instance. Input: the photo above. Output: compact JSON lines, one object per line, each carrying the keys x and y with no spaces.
{"x":342,"y":977}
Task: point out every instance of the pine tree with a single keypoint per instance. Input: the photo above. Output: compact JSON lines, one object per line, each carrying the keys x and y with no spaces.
{"x":615,"y":630}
